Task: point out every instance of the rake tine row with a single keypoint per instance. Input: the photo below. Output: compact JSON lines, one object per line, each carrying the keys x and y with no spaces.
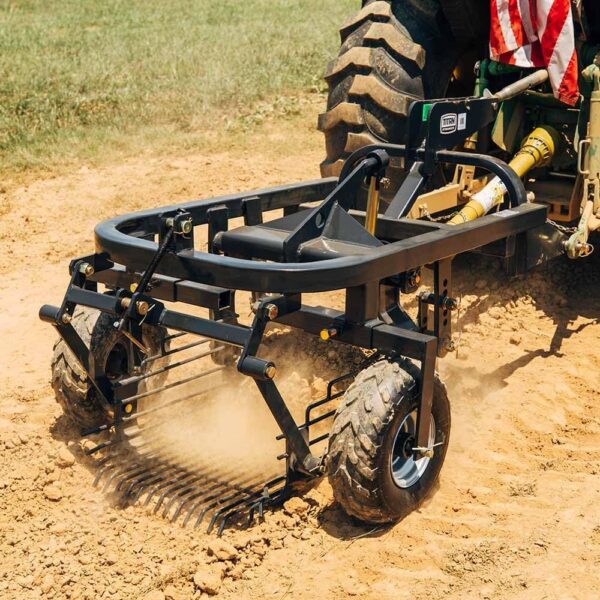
{"x":195,"y":484}
{"x":168,"y":403}
{"x":212,"y":491}
{"x":209,"y":499}
{"x":156,"y":357}
{"x":188,"y":482}
{"x":239,"y":490}
{"x":171,"y":366}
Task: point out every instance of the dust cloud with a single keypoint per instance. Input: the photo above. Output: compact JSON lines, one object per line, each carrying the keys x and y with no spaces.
{"x":221,"y":422}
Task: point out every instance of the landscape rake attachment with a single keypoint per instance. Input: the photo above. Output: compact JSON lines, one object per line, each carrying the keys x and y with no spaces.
{"x":124,"y":370}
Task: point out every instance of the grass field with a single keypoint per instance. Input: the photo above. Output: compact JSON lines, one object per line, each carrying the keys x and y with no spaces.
{"x":80,"y":78}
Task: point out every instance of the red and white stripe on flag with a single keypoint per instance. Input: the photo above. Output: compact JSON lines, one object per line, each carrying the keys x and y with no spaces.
{"x":537,"y":33}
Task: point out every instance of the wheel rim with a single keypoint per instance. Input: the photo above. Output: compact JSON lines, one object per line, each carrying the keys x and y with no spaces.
{"x":406,"y":471}
{"x":117,"y":362}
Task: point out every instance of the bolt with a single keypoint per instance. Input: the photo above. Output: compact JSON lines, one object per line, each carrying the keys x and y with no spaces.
{"x":272,"y":311}
{"x":66,"y":318}
{"x":325,"y":334}
{"x":125,"y":302}
{"x":450,"y":303}
{"x":414,"y":279}
{"x":169,"y":222}
{"x":142,"y":307}
{"x":86,"y":269}
{"x":270,"y":371}
{"x":186,"y":226}
{"x":129,"y":408}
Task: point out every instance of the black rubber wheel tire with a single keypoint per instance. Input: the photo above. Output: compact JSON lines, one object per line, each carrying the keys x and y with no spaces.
{"x":73,"y":391}
{"x":392,"y":53}
{"x":362,"y":439}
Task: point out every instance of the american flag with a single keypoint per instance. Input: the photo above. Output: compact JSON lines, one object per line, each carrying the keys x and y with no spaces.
{"x":537,"y":33}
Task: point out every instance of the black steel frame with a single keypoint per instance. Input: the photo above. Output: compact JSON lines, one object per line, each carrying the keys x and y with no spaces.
{"x":323,"y":248}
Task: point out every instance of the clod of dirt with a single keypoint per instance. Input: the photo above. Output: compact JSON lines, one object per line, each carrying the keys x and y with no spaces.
{"x":209,"y":579}
{"x":53,"y":493}
{"x":154,"y":595}
{"x":65,"y":458}
{"x":47,"y":583}
{"x":296,"y":506}
{"x":171,"y":593}
{"x":222,"y":550}
{"x":515,"y":339}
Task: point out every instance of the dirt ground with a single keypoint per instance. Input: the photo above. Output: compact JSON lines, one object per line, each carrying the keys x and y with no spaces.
{"x":516,"y":513}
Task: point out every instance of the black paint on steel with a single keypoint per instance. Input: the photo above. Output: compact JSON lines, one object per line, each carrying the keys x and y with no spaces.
{"x":311,"y":249}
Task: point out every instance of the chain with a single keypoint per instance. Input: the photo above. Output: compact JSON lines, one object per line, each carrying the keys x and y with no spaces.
{"x":561,"y":228}
{"x":427,"y":216}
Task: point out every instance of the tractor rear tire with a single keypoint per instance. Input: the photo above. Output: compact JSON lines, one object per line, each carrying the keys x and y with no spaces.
{"x":392,"y":53}
{"x":371,"y":468}
{"x":75,"y":394}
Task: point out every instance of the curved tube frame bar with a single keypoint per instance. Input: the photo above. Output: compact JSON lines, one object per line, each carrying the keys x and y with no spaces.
{"x":120,"y":238}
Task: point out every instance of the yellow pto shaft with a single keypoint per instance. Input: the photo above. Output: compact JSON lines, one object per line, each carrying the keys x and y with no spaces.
{"x":537,"y":151}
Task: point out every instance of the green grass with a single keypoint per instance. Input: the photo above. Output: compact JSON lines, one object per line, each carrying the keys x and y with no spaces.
{"x":78,"y":77}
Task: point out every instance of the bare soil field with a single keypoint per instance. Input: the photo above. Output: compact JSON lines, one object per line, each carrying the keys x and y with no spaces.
{"x":516,"y":514}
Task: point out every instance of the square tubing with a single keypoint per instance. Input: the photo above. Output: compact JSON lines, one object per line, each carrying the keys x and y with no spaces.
{"x":296,"y":442}
{"x":442,"y":286}
{"x":426,"y":392}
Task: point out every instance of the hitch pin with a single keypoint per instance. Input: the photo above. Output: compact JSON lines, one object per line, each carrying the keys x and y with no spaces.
{"x":427,"y":452}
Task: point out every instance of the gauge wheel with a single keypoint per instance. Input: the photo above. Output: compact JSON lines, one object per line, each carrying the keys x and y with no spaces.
{"x":374,"y":472}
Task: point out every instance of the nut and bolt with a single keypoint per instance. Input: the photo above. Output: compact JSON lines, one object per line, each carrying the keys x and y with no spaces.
{"x":450,"y":303}
{"x":186,"y":226}
{"x":66,"y":318}
{"x":450,"y":345}
{"x":270,"y":371}
{"x":86,"y":269}
{"x":142,"y":307}
{"x":271,"y":311}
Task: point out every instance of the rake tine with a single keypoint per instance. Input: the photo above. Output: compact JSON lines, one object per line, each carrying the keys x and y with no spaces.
{"x":211,"y":506}
{"x":228,"y":510}
{"x":135,"y":471}
{"x":126,"y":472}
{"x":132,"y":471}
{"x":174,"y":485}
{"x":135,"y":479}
{"x":193,"y":497}
{"x":207,"y":476}
{"x":252,"y":503}
{"x":239,"y":490}
{"x":106,"y":468}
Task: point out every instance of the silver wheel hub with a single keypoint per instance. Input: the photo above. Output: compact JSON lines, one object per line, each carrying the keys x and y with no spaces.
{"x":406,"y":470}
